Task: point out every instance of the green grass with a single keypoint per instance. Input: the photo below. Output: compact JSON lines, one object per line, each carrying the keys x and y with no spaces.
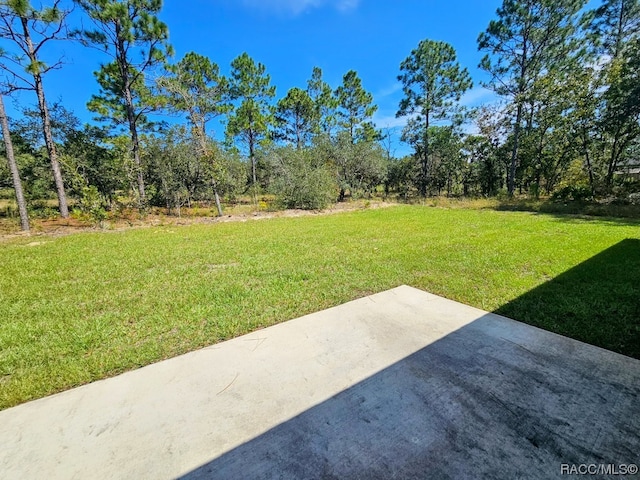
{"x":82,"y":307}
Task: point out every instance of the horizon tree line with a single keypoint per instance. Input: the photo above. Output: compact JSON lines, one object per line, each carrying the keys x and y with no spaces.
{"x":567,"y":123}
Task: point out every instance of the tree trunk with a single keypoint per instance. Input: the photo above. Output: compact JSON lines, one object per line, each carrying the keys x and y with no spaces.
{"x":217,"y":198}
{"x":123,"y":65}
{"x":511,"y":180}
{"x":15,"y":174}
{"x":298,"y":133}
{"x":613,"y":163}
{"x":214,"y":183}
{"x":425,"y":158}
{"x":587,"y":159}
{"x":135,"y":141}
{"x":252,"y":157}
{"x":46,"y":125}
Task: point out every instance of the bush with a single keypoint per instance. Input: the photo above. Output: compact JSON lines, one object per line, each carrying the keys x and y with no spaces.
{"x":91,"y":204}
{"x":577,"y":193}
{"x":41,"y":209}
{"x":634,"y":198}
{"x":302,"y":181}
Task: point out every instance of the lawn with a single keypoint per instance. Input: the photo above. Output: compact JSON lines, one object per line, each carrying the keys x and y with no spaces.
{"x":82,"y":307}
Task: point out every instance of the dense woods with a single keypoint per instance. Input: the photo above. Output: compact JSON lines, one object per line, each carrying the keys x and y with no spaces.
{"x":567,"y":123}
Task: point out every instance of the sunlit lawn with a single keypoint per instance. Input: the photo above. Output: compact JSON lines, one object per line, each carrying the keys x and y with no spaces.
{"x":82,"y":307}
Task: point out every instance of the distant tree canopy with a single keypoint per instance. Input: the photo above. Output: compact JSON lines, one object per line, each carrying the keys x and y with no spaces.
{"x":566,"y":123}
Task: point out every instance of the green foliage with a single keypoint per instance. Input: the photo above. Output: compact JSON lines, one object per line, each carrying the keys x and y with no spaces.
{"x":34,"y":171}
{"x":252,"y":117}
{"x":615,"y":24}
{"x":356,"y":109}
{"x":402,"y":175}
{"x":230,"y":172}
{"x":295,"y":118}
{"x":91,"y":204}
{"x":569,"y":118}
{"x":25,"y":30}
{"x":41,"y":209}
{"x":575,"y":193}
{"x":112,"y":104}
{"x":620,"y":120}
{"x":195,"y":87}
{"x":28,"y":31}
{"x":302,"y":180}
{"x":64,"y":124}
{"x":180,"y":174}
{"x":88,"y":155}
{"x":484,"y":170}
{"x":447,"y":160}
{"x":528,"y":39}
{"x":175,"y":169}
{"x":131,"y":33}
{"x":126,"y":25}
{"x":432,"y":82}
{"x":360,"y":166}
{"x":84,"y":153}
{"x":325,"y":103}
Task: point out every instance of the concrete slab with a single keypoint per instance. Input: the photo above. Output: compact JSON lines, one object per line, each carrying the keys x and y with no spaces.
{"x":402,"y":384}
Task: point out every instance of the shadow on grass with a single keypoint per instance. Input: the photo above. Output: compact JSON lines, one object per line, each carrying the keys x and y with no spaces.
{"x":492,"y":399}
{"x":624,"y":215}
{"x":597,"y":301}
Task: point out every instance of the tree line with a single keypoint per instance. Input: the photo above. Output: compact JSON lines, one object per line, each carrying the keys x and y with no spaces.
{"x":567,"y":121}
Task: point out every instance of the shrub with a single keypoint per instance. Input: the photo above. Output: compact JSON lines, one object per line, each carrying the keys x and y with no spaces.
{"x":578,"y":193}
{"x":302,"y":181}
{"x":91,"y":204}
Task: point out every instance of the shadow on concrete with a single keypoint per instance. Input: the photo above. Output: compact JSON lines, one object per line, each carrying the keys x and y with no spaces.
{"x":495,"y":399}
{"x":597,"y":301}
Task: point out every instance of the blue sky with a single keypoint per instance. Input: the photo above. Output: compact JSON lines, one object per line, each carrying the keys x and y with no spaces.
{"x":290,"y":37}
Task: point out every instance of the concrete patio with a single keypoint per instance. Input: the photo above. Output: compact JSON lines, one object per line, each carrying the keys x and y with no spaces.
{"x":401,"y":384}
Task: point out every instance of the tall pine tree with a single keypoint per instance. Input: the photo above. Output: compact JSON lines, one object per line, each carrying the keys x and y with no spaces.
{"x":28,"y":30}
{"x":433,"y":82}
{"x":356,"y":108}
{"x":250,"y":122}
{"x":529,"y":38}
{"x":130,"y":32}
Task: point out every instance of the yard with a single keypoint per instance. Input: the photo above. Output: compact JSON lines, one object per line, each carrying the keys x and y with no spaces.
{"x":77,"y":308}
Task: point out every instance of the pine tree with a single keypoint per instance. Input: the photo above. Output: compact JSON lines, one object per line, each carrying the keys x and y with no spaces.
{"x":29,"y":30}
{"x":130,"y":32}
{"x":13,"y":167}
{"x":194,"y":86}
{"x":529,"y":38}
{"x":433,"y":82}
{"x":294,"y":118}
{"x":325,"y":103}
{"x":356,"y":108}
{"x":250,"y":85}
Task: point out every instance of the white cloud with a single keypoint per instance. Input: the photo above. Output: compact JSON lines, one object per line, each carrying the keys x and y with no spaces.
{"x":389,"y":121}
{"x":297,"y":7}
{"x":346,"y":5}
{"x":478,"y":96}
{"x":387,"y":92}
